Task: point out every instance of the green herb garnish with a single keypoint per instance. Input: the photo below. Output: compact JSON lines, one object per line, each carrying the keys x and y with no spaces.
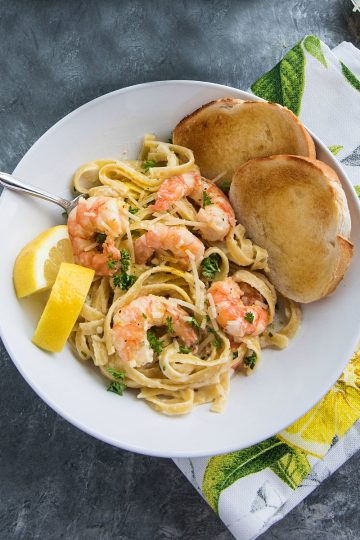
{"x":225,"y":186}
{"x":111,"y":264}
{"x":118,"y":386}
{"x":100,"y":238}
{"x":133,"y":210}
{"x":170,"y":140}
{"x":249,"y":317}
{"x":125,"y":259}
{"x":206,"y":199}
{"x":154,"y":342}
{"x":193,"y":322}
{"x":184,"y":350}
{"x":217,"y":339}
{"x":250,"y":361}
{"x":148,"y":164}
{"x":120,"y":375}
{"x":169,"y":325}
{"x":124,"y":281}
{"x":144,"y":316}
{"x":211,"y":265}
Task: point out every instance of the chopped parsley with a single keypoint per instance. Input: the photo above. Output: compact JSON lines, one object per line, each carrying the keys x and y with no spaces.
{"x":193,"y":322}
{"x":100,"y":238}
{"x":184,"y":350}
{"x":133,"y":210}
{"x":124,"y":281}
{"x":148,"y":164}
{"x":144,"y":316}
{"x":154,"y":342}
{"x":111,"y":264}
{"x":211,"y":265}
{"x":249,"y":317}
{"x":250,"y":361}
{"x":118,"y":386}
{"x":120,"y":375}
{"x":125,"y":259}
{"x":216,"y":340}
{"x":206,"y":199}
{"x":169,"y":324}
{"x":357,"y":189}
{"x":225,"y":186}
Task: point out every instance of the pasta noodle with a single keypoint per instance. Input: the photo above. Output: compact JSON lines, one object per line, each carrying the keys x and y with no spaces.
{"x":177,"y":377}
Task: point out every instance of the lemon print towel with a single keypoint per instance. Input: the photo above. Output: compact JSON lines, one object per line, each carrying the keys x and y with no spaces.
{"x":253,"y":488}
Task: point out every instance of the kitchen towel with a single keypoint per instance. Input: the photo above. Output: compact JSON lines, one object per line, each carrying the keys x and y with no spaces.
{"x":251,"y":489}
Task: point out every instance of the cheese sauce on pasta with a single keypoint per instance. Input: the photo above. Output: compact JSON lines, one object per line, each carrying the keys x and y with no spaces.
{"x":181,"y":300}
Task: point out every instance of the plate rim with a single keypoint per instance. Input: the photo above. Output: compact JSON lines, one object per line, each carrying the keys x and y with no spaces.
{"x":138,"y":448}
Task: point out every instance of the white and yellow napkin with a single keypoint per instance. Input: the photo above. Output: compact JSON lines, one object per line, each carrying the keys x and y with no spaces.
{"x":253,"y":488}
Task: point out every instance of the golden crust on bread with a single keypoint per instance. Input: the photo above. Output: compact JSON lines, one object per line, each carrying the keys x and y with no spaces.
{"x":296,"y":209}
{"x":225,"y":133}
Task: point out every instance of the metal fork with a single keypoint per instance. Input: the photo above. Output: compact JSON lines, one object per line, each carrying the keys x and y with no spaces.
{"x":10,"y":182}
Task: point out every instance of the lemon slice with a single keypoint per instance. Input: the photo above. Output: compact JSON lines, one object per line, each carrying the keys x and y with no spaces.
{"x":331,"y":417}
{"x":63,"y":307}
{"x":38,"y":263}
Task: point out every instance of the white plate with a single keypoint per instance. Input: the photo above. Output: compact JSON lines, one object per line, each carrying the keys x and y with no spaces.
{"x":288,"y":382}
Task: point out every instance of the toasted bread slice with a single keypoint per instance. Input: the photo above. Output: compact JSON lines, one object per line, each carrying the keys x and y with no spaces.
{"x":295,"y":208}
{"x":225,"y":133}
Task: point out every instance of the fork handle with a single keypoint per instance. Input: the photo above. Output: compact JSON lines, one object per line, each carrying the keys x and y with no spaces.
{"x":10,"y":182}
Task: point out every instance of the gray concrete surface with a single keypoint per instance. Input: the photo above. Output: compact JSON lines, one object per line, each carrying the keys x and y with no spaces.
{"x":55,"y":481}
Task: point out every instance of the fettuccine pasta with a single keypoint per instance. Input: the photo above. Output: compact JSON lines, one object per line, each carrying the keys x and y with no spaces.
{"x":180,"y":300}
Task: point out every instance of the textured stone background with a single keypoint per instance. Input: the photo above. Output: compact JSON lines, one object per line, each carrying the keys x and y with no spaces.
{"x":55,"y":481}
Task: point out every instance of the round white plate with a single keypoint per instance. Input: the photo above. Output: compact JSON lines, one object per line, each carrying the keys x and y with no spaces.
{"x":287,"y":383}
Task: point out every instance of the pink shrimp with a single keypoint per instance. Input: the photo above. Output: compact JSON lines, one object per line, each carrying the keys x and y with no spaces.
{"x":131,"y":323}
{"x":216,"y":213}
{"x":240,"y":309}
{"x":93,"y":226}
{"x":178,"y":240}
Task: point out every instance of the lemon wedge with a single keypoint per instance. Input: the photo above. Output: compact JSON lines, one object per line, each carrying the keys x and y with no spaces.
{"x":63,"y":307}
{"x":38,"y":263}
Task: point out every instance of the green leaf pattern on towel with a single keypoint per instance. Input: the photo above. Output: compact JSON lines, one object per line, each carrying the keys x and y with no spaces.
{"x":269,"y":86}
{"x":350,"y":77}
{"x":335,"y":149}
{"x":292,"y":468}
{"x":222,"y":471}
{"x":313,"y":46}
{"x":284,"y":84}
{"x":292,"y":75}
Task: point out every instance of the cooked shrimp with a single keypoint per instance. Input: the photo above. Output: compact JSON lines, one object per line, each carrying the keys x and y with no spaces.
{"x":93,"y":226}
{"x":131,"y":323}
{"x":215,"y":214}
{"x":241,"y":310}
{"x":178,"y":240}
